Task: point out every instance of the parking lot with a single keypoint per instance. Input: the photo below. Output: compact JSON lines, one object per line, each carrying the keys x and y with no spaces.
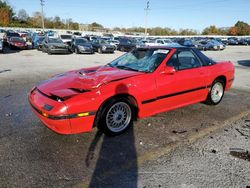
{"x":33,"y":156}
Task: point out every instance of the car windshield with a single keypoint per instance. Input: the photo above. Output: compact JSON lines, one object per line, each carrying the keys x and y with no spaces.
{"x":13,"y":35}
{"x":55,"y":40}
{"x":66,"y":36}
{"x":17,"y":39}
{"x":81,"y":41}
{"x":188,"y":42}
{"x":215,"y":42}
{"x":141,"y":60}
{"x":133,"y":41}
{"x":167,"y":41}
{"x":103,"y":42}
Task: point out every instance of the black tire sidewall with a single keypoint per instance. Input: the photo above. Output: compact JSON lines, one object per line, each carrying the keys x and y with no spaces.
{"x":101,"y":124}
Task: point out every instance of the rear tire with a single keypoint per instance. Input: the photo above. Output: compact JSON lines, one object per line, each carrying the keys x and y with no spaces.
{"x":122,"y":49}
{"x":99,"y":50}
{"x":216,"y":92}
{"x":116,"y":117}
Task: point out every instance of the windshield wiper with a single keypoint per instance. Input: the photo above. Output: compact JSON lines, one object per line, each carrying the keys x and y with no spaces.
{"x":126,"y":68}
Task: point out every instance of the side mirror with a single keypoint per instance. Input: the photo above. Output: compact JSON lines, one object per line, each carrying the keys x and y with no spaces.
{"x":168,"y":70}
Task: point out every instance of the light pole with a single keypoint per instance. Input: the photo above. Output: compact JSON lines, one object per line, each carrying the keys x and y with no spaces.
{"x":42,"y":4}
{"x":146,"y":18}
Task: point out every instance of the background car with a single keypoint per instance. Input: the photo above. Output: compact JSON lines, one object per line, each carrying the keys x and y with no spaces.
{"x":155,"y":42}
{"x":114,"y":43}
{"x":66,"y":38}
{"x":37,"y":42}
{"x":191,"y":43}
{"x":244,"y":41}
{"x":24,"y":35}
{"x":233,"y":41}
{"x":126,"y":44}
{"x":50,"y":33}
{"x":163,"y":41}
{"x":213,"y":45}
{"x":54,"y":46}
{"x":1,"y":46}
{"x":160,"y":42}
{"x":102,"y":46}
{"x":2,"y":33}
{"x":91,"y":37}
{"x":81,"y":45}
{"x":8,"y":35}
{"x":17,"y":43}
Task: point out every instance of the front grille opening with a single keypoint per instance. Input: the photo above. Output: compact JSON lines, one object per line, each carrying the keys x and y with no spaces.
{"x":53,"y":97}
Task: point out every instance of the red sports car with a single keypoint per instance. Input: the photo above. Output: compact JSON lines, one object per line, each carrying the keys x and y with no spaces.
{"x":17,"y":43}
{"x":141,"y":83}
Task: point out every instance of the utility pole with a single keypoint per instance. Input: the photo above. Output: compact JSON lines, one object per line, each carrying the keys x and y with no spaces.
{"x":147,"y":9}
{"x":42,"y":4}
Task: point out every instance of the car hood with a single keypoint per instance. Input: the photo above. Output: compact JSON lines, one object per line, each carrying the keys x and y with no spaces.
{"x":83,"y":80}
{"x":85,"y":45}
{"x":58,"y":44}
{"x":107,"y":45}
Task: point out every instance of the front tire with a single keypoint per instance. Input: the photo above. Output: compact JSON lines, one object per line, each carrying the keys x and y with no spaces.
{"x":116,"y":117}
{"x":216,"y":92}
{"x":122,"y":49}
{"x":49,"y":52}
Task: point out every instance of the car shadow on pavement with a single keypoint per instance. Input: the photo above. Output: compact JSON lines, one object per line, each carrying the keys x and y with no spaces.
{"x":8,"y":50}
{"x":116,"y":165}
{"x":244,"y":63}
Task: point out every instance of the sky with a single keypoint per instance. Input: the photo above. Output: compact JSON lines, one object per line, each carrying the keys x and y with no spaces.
{"x":176,"y":14}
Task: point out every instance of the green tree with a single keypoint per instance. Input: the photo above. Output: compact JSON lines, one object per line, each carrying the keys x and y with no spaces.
{"x":211,"y":30}
{"x":36,"y":20}
{"x":4,"y":4}
{"x":188,"y":32}
{"x":6,"y":13}
{"x":242,"y":28}
{"x":95,"y":26}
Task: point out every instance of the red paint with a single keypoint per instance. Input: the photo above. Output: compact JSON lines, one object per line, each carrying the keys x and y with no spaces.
{"x":86,"y":90}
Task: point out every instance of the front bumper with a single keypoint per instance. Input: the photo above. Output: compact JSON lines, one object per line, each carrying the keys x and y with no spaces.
{"x":108,"y":50}
{"x":59,"y":50}
{"x":86,"y":50}
{"x":21,"y":47}
{"x":57,"y":119}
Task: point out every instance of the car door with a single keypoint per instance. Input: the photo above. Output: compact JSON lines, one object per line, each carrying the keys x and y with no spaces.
{"x":72,"y":45}
{"x":44,"y":45}
{"x":185,"y":85}
{"x":95,"y":45}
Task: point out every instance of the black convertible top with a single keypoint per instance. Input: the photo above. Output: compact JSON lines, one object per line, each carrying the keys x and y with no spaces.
{"x":206,"y":61}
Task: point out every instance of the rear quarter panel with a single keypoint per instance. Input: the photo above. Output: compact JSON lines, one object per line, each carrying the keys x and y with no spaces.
{"x":225,"y":69}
